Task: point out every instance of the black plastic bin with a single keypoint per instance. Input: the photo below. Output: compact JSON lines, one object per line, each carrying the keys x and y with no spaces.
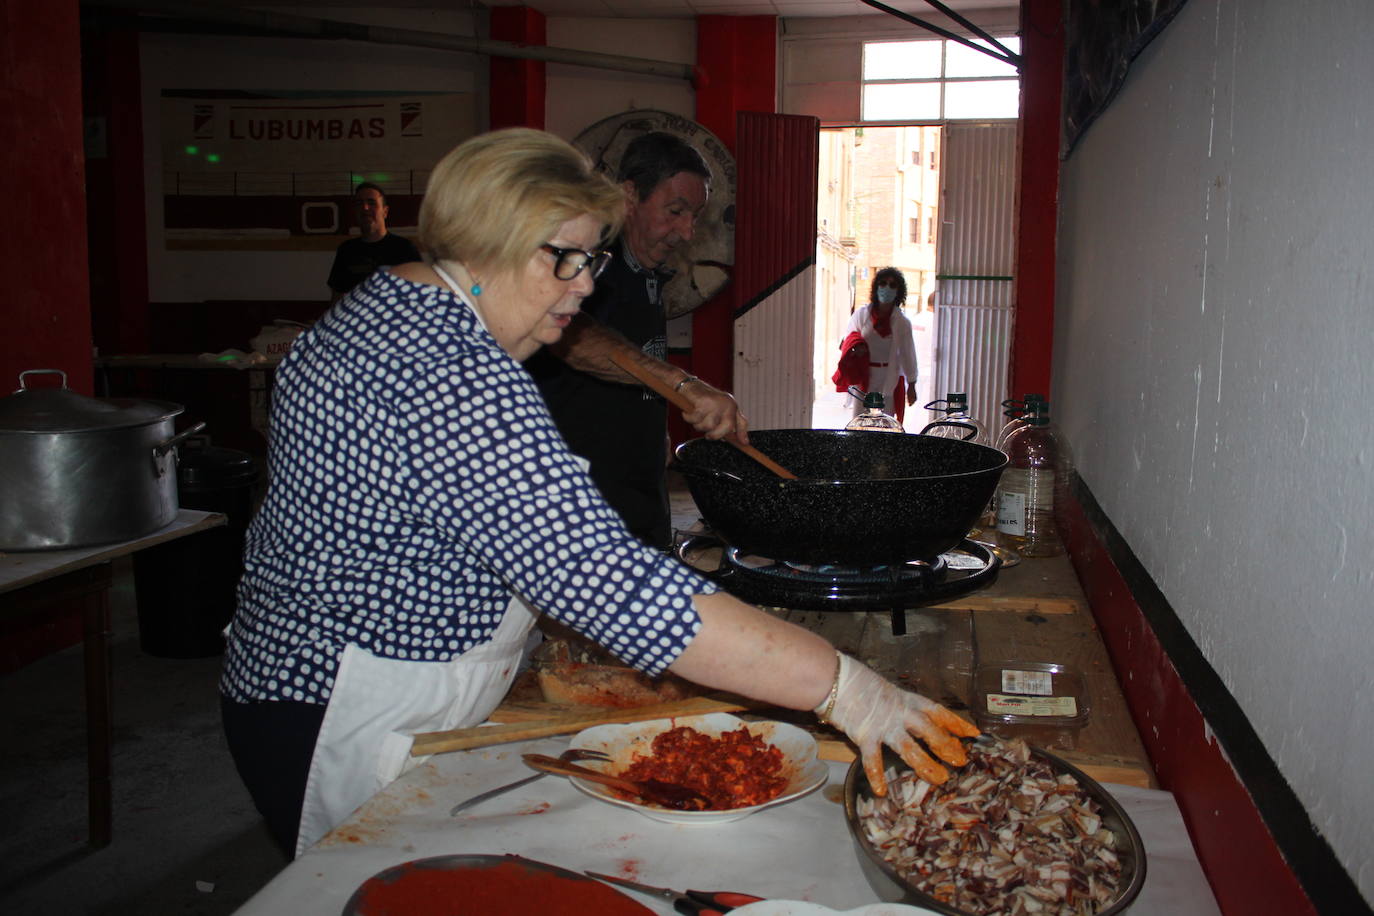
{"x":185,"y":588}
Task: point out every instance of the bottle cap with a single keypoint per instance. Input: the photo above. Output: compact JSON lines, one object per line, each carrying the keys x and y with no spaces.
{"x":874,"y":399}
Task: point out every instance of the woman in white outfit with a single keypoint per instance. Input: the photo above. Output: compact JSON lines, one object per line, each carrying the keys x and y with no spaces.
{"x":424,"y":510}
{"x":891,"y":347}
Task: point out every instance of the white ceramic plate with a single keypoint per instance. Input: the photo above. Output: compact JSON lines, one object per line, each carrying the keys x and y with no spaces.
{"x":806,"y":772}
{"x":805,"y":908}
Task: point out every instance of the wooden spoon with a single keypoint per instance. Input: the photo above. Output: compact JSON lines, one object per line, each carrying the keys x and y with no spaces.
{"x":667,"y":794}
{"x":682,"y":402}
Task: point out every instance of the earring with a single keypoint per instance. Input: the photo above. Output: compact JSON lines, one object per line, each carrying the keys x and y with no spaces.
{"x":476,"y":289}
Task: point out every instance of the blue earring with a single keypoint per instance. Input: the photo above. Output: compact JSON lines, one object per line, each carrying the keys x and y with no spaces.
{"x":476,"y":289}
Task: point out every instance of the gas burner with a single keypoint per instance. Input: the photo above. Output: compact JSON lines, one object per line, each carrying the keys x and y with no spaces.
{"x":914,"y":572}
{"x":775,"y":583}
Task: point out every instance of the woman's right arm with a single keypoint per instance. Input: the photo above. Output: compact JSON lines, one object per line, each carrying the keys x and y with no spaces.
{"x":744,"y":650}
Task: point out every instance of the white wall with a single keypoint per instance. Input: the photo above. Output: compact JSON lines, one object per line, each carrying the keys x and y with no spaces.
{"x":577,"y":97}
{"x":172,"y":61}
{"x":1212,"y":367}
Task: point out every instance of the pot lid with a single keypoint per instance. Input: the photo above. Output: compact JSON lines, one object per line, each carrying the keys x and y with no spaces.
{"x":61,"y":410}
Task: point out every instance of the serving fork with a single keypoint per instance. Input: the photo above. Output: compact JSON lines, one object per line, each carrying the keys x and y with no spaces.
{"x":571,"y":755}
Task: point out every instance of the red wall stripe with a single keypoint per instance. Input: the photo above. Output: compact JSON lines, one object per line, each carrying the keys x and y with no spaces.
{"x":1247,"y":872}
{"x":48,"y":312}
{"x":1042,"y":49}
{"x":736,"y":71}
{"x":517,"y":86}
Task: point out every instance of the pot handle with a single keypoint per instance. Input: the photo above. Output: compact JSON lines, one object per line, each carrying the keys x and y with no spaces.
{"x":24,"y":385}
{"x":687,"y":469}
{"x":161,"y":450}
{"x":972,"y":430}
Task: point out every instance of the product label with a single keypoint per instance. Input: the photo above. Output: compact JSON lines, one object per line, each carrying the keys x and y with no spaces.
{"x":1024,"y":493}
{"x":1011,"y":512}
{"x":1006,"y":705}
{"x":1036,"y":683}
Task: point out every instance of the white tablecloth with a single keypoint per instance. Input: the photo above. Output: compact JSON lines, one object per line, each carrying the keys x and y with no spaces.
{"x":800,"y":851}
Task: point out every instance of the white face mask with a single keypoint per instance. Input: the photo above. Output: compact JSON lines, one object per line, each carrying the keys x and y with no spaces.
{"x":887,"y":295}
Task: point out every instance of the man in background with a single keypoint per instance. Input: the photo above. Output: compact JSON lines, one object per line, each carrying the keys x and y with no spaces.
{"x":374,"y":247}
{"x":604,"y":414}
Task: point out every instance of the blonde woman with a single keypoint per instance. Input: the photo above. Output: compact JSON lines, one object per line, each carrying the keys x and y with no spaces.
{"x":423,"y":509}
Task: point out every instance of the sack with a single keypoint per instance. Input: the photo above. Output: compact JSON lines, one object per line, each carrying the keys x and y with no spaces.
{"x":275,"y":339}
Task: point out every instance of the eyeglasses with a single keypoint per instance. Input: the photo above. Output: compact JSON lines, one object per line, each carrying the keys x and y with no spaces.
{"x":569,"y":262}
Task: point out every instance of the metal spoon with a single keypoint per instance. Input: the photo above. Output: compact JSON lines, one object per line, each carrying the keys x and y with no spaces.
{"x":679,"y":798}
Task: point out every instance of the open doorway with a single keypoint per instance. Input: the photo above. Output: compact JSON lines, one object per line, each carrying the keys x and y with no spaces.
{"x":878,"y":203}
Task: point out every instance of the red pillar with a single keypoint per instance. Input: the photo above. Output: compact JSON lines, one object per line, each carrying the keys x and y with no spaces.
{"x":517,"y":85}
{"x":736,"y":71}
{"x":1042,"y":49}
{"x":115,"y":199}
{"x":47,"y":312}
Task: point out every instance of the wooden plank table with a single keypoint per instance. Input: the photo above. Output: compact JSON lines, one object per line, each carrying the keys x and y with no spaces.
{"x":1034,"y":612}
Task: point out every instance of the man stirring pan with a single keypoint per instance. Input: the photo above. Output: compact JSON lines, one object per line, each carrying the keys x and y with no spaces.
{"x":356,"y":259}
{"x":602,"y":412}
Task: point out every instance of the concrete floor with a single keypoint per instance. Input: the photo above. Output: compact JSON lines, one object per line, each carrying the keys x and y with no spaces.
{"x":187,"y":839}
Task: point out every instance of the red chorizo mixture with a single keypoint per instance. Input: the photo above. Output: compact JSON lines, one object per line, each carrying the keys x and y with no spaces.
{"x":736,"y":770}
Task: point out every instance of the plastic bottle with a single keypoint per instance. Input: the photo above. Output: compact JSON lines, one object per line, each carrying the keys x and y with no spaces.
{"x":873,"y":419}
{"x":1029,"y":485}
{"x":1016,"y":417}
{"x":955,"y":408}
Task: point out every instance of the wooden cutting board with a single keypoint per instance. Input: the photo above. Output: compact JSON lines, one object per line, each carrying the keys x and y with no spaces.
{"x":519,"y":727}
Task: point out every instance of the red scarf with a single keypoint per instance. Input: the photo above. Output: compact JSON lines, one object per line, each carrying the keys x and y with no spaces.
{"x":881,"y":323}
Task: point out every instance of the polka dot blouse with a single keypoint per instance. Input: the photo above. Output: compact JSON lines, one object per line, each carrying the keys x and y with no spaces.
{"x":417,"y":481}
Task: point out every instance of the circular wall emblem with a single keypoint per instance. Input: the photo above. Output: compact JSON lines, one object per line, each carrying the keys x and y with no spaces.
{"x":703,"y":266}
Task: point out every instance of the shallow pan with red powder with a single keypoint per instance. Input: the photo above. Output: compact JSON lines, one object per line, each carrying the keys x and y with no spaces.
{"x":475,"y":885}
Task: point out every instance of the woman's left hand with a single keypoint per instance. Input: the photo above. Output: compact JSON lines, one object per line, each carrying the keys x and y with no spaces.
{"x":714,"y":413}
{"x":910,"y":394}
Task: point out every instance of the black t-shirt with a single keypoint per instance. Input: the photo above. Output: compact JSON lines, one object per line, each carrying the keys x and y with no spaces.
{"x":356,"y":259}
{"x":621,"y":429}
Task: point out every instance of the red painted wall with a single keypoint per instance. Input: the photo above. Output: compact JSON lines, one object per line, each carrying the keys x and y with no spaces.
{"x":115,"y":199}
{"x":736,"y":71}
{"x":47,"y":306}
{"x":517,"y":86}
{"x":1042,"y":72}
{"x":1247,"y":872}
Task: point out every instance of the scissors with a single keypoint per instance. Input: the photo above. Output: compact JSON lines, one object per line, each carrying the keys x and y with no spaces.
{"x":690,"y":903}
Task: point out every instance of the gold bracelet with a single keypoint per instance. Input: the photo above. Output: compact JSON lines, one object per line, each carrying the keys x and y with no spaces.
{"x":686,"y":380}
{"x":824,"y":715}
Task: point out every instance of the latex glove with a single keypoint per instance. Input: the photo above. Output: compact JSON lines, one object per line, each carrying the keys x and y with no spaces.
{"x":874,"y":713}
{"x":714,"y":413}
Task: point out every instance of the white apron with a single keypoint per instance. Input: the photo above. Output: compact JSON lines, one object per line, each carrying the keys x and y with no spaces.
{"x":377,"y":705}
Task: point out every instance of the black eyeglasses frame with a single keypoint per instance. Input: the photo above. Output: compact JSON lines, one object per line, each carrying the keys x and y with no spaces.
{"x":597,"y":260}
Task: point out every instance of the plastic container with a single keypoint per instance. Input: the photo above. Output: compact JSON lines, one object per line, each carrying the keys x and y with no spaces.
{"x":1030,"y":486}
{"x":955,"y":408}
{"x":186,"y":588}
{"x":1016,"y":417}
{"x":1041,"y":694}
{"x":873,"y":419}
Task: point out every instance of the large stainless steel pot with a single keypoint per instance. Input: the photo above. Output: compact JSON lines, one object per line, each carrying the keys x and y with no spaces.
{"x":78,"y":471}
{"x":861,"y":498}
